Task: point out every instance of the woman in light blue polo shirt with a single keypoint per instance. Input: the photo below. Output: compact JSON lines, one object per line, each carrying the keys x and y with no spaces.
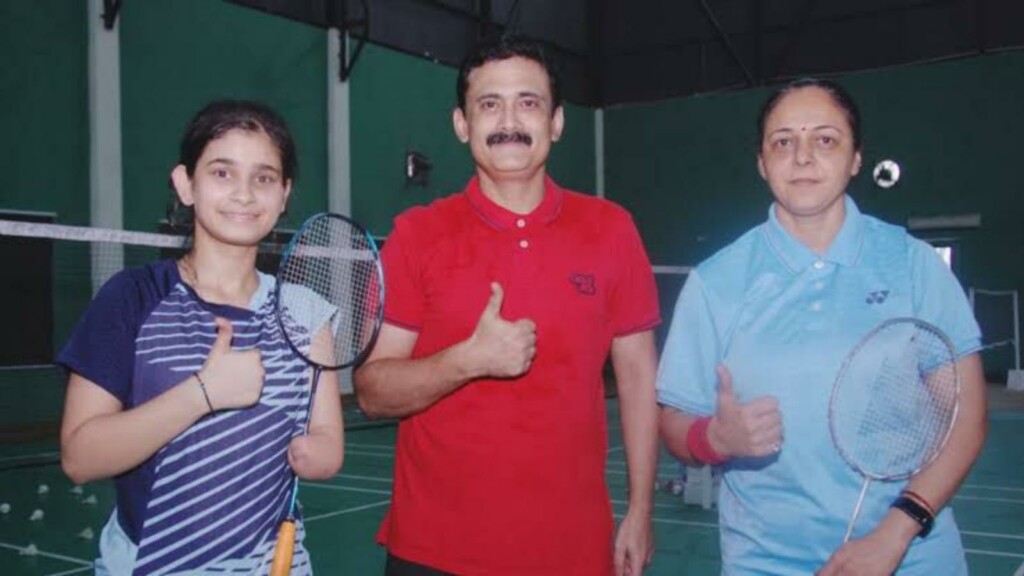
{"x":756,"y":341}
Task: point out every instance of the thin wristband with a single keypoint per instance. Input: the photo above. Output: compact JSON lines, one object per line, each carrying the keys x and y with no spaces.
{"x":920,"y":500}
{"x":202,"y":386}
{"x":698,"y":444}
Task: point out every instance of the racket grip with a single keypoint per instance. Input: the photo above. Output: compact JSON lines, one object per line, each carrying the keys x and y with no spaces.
{"x":284,"y":549}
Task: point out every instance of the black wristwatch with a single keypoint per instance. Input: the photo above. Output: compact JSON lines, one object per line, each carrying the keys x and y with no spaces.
{"x":916,"y":512}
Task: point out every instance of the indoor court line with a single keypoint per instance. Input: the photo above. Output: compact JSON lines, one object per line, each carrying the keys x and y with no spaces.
{"x":72,"y":571}
{"x":346,"y":511}
{"x":346,"y":488}
{"x":993,"y":553}
{"x":372,"y":454}
{"x":28,"y":456}
{"x":343,"y":476}
{"x":375,"y":446}
{"x":615,"y":449}
{"x":20,"y":549}
{"x":990,"y":499}
{"x":992,"y":535}
{"x":988,"y":487}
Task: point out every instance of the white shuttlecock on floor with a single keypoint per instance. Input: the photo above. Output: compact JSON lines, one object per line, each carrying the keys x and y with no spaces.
{"x":37,"y":514}
{"x":29,"y":550}
{"x":5,"y":508}
{"x":43,"y":489}
{"x":86,"y":534}
{"x":76,"y":490}
{"x":90,"y":499}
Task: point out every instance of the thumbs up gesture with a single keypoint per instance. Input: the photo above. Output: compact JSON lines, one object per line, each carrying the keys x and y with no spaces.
{"x":744,"y":429}
{"x":502,"y":349}
{"x":233,"y":378}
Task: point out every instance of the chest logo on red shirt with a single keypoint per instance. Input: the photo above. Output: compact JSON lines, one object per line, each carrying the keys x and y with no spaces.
{"x":584,"y":283}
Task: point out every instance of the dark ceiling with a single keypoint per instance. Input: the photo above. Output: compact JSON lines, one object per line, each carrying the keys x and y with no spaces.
{"x":620,"y":51}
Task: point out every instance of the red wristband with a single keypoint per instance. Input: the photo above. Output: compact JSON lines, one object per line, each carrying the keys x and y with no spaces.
{"x":699,"y":446}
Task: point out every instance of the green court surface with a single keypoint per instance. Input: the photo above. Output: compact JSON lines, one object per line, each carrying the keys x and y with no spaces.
{"x":343,"y":514}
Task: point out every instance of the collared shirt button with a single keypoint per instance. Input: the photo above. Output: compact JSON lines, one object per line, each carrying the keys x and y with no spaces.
{"x":524,"y":243}
{"x":816,"y":307}
{"x":521,"y":223}
{"x":819,"y":285}
{"x":819,"y":264}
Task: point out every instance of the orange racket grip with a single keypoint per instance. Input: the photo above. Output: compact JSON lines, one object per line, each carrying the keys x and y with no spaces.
{"x":284,"y":549}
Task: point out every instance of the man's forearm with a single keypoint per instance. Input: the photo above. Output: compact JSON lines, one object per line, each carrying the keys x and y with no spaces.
{"x":635,"y":361}
{"x":400,"y":387}
{"x":639,"y":415}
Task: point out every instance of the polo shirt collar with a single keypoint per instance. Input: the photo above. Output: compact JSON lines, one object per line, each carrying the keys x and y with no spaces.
{"x":845,"y":249}
{"x":501,"y":218}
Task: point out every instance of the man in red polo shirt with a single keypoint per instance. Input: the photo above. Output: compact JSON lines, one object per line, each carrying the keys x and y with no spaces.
{"x":503,"y":303}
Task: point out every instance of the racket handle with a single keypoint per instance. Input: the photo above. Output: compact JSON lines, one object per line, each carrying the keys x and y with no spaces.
{"x":284,"y":549}
{"x":856,"y":509}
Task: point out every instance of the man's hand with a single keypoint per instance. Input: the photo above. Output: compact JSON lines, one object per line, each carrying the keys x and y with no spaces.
{"x":501,"y":349}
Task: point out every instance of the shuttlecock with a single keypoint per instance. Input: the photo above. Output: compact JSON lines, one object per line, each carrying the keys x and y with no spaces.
{"x":5,"y":508}
{"x":86,"y":534}
{"x":29,"y":550}
{"x":43,"y":489}
{"x":676,"y":486}
{"x":90,"y":499}
{"x":76,"y":490}
{"x":37,"y":514}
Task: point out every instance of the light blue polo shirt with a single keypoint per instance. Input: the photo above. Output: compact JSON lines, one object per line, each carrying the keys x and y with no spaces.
{"x":782,"y":318}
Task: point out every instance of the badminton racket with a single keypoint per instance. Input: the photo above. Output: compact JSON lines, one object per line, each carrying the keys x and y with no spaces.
{"x":329,"y":296}
{"x":894,"y":402}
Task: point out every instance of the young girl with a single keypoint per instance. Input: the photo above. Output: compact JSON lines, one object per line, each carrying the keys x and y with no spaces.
{"x":181,"y":384}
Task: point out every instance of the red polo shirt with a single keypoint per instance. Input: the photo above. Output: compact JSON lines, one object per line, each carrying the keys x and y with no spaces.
{"x":507,"y":476}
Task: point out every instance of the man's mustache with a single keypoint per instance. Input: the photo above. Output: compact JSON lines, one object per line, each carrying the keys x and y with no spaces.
{"x":509,"y":137}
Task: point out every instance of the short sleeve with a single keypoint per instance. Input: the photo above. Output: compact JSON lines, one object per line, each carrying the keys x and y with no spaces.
{"x":102,"y":345}
{"x":634,"y":299}
{"x":403,"y":298}
{"x":940,"y":299}
{"x":686,"y":375}
{"x":308,"y":312}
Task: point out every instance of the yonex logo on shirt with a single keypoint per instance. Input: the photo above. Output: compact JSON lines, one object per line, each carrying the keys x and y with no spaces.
{"x":877,"y":297}
{"x":584,"y":283}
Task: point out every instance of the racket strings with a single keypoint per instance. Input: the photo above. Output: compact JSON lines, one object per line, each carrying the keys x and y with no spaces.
{"x":330,"y":279}
{"x":895,"y":402}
